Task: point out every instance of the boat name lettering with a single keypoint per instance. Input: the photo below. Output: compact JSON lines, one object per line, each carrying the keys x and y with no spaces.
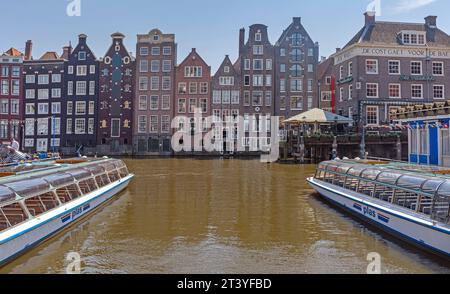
{"x":77,"y":211}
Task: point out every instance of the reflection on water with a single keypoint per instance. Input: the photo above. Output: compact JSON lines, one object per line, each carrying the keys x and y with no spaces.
{"x":214,"y":216}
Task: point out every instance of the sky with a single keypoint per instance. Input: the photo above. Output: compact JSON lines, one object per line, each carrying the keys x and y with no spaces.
{"x":211,"y":26}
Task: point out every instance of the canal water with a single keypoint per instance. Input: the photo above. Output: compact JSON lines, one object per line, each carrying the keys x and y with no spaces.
{"x":222,"y":216}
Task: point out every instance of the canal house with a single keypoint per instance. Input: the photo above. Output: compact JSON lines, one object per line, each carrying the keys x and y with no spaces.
{"x":80,"y":112}
{"x":115,"y":99}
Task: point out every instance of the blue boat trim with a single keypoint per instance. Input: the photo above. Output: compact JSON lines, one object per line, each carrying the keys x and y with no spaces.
{"x":64,"y":213}
{"x":384,"y":227}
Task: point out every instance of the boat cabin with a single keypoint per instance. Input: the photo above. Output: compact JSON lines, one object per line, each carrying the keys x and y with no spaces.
{"x":35,"y":190}
{"x":424,"y":192}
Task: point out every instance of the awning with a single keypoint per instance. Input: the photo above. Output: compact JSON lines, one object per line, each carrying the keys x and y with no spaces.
{"x":320,"y":116}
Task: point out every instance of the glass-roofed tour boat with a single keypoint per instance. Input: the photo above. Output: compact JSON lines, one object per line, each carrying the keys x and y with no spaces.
{"x":39,"y":199}
{"x":409,"y":201}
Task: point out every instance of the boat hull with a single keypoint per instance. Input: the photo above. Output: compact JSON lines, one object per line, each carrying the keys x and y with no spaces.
{"x":416,"y":232}
{"x":31,"y":235}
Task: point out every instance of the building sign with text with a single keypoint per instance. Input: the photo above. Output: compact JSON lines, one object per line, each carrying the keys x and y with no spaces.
{"x":393,"y":52}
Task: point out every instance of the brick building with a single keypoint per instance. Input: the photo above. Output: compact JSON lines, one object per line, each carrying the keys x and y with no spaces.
{"x":80,"y":112}
{"x":44,"y":88}
{"x":390,"y":64}
{"x":325,"y":81}
{"x":154,"y":94}
{"x":257,"y":71}
{"x":11,"y":96}
{"x":115,"y":110}
{"x":296,"y":60}
{"x":226,"y":100}
{"x":193,"y":91}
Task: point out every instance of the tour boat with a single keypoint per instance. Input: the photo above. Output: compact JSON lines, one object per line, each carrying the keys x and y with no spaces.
{"x":408,"y":201}
{"x":39,"y":199}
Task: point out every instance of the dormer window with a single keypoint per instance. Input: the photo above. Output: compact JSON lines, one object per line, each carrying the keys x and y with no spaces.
{"x":413,"y":38}
{"x":156,"y":38}
{"x":82,"y":55}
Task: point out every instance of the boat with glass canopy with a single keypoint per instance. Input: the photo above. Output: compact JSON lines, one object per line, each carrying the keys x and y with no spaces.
{"x":39,"y":199}
{"x":409,"y":201}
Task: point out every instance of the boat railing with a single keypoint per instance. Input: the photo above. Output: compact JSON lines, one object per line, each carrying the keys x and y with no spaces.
{"x":52,"y":191}
{"x":427,"y":196}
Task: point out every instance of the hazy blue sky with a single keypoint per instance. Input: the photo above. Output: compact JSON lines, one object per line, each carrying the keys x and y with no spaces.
{"x":211,"y":26}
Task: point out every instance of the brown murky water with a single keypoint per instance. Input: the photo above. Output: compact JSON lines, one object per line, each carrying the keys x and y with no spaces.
{"x":213,"y":216}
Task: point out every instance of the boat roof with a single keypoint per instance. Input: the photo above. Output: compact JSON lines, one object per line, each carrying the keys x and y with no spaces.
{"x":425,"y":179}
{"x":30,"y":179}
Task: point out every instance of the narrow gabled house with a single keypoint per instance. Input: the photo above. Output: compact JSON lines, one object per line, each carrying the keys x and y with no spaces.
{"x":44,"y":88}
{"x":296,"y":56}
{"x":11,"y":96}
{"x":193,"y":93}
{"x":115,"y":110}
{"x":80,"y":112}
{"x":226,"y":100}
{"x":156,"y":59}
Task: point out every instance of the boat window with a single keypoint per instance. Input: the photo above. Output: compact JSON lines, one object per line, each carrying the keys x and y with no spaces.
{"x":339,"y":180}
{"x":441,"y":204}
{"x":383,"y":192}
{"x":6,"y":194}
{"x":59,"y":179}
{"x":411,"y":182}
{"x":332,"y":167}
{"x":11,"y":215}
{"x":406,"y":199}
{"x":370,"y":174}
{"x":352,"y":183}
{"x":431,"y":186}
{"x":39,"y":204}
{"x":323,"y":165}
{"x":79,"y":173}
{"x":29,"y":187}
{"x":87,"y":186}
{"x":102,"y":180}
{"x":329,"y":177}
{"x":366,"y":188}
{"x":63,"y":195}
{"x":355,"y":171}
{"x":425,"y":205}
{"x":388,"y":178}
{"x":73,"y":191}
{"x":95,"y":169}
{"x":123,"y":172}
{"x":113,"y":176}
{"x":108,"y":166}
{"x":320,"y":174}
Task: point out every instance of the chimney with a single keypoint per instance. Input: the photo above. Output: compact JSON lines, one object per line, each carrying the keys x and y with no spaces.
{"x":28,"y":50}
{"x":241,"y":40}
{"x":431,"y":21}
{"x":67,"y":50}
{"x":370,"y":17}
{"x":297,"y":20}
